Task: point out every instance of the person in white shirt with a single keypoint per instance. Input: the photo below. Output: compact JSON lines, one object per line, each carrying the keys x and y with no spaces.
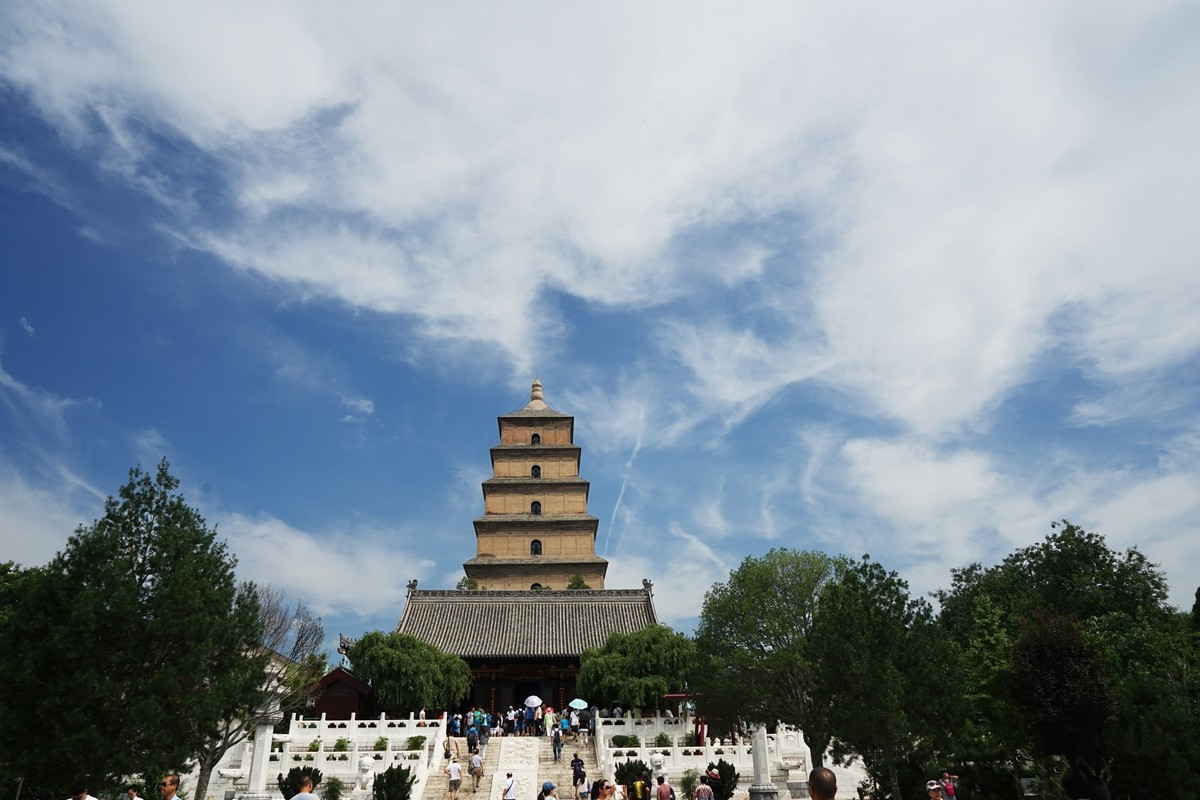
{"x":510,"y":787}
{"x":306,"y":788}
{"x":454,"y":770}
{"x":79,"y":791}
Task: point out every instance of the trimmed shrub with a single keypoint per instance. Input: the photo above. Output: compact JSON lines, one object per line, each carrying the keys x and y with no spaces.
{"x":381,"y":743}
{"x":627,"y":772}
{"x":341,"y":745}
{"x":394,"y":783}
{"x":623,"y":740}
{"x":729,"y":779}
{"x":333,"y":789}
{"x":663,"y":740}
{"x":688,"y":782}
{"x":289,"y":784}
{"x":415,"y":742}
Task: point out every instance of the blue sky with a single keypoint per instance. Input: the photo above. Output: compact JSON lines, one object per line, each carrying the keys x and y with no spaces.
{"x":912,"y":281}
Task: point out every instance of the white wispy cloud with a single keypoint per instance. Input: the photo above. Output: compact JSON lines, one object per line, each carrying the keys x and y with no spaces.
{"x":680,"y":584}
{"x":956,"y":206}
{"x":923,"y":510}
{"x":349,"y":571}
{"x":975,"y":199}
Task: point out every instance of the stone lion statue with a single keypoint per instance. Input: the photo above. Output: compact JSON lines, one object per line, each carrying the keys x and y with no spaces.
{"x":366,"y":766}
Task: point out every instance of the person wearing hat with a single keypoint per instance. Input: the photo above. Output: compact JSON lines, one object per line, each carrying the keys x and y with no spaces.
{"x":935,"y":789}
{"x":547,"y":791}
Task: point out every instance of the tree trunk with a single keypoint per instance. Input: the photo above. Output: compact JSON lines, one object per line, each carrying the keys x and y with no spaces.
{"x":202,"y":777}
{"x":893,"y":776}
{"x":817,"y":745}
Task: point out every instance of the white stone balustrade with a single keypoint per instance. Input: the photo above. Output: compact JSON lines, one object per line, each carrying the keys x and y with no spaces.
{"x":292,"y":749}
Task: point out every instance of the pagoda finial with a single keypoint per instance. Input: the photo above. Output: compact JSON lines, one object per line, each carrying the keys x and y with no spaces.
{"x":537,"y":401}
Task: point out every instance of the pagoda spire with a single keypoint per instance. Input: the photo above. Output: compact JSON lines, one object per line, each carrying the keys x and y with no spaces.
{"x":537,"y":400}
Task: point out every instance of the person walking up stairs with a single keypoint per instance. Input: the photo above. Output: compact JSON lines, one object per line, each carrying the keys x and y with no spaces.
{"x":437,"y":783}
{"x":561,"y":773}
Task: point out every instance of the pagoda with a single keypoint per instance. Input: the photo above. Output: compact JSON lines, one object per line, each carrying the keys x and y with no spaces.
{"x":535,"y":532}
{"x":521,"y":631}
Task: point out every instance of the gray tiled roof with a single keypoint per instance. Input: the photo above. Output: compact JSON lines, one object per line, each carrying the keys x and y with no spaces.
{"x":522,"y":624}
{"x":537,"y":412}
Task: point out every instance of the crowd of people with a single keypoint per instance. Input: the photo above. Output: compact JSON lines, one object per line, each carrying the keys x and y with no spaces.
{"x":477,"y":726}
{"x":567,"y":724}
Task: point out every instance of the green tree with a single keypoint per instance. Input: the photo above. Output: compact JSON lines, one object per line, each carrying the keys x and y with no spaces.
{"x":992,"y":736}
{"x":1072,"y":573}
{"x":885,"y":667}
{"x":290,"y":636}
{"x":129,"y":646}
{"x":755,"y":645}
{"x":466,"y":584}
{"x":406,"y":673}
{"x":1060,"y":684}
{"x":1155,"y":673}
{"x":577,"y":583}
{"x":637,"y":668}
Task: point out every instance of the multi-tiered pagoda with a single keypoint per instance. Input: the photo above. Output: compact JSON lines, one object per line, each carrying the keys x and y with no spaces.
{"x":535,"y":532}
{"x":520,"y":629}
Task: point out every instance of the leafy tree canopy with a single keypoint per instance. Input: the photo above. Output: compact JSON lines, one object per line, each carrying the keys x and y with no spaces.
{"x":755,"y":648}
{"x":406,"y":673}
{"x":1071,"y":573}
{"x":577,"y":583}
{"x":637,"y":668}
{"x":130,"y":645}
{"x":1060,"y":684}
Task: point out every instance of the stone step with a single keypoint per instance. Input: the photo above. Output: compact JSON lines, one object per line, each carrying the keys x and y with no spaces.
{"x":437,"y":784}
{"x":559,"y":772}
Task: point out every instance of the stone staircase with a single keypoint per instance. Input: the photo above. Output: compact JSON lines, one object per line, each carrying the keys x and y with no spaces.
{"x":437,"y":784}
{"x":531,"y":760}
{"x":559,"y":772}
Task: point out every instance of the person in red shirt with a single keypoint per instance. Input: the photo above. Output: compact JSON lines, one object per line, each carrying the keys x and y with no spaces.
{"x":663,"y":792}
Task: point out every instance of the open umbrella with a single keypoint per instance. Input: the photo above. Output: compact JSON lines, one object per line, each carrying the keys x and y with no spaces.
{"x":578,"y":704}
{"x":533,"y":701}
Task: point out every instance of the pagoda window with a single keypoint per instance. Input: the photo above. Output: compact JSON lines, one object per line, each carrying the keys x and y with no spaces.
{"x":536,"y":472}
{"x":535,"y":439}
{"x":535,"y":508}
{"x":537,"y":587}
{"x":535,"y":547}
